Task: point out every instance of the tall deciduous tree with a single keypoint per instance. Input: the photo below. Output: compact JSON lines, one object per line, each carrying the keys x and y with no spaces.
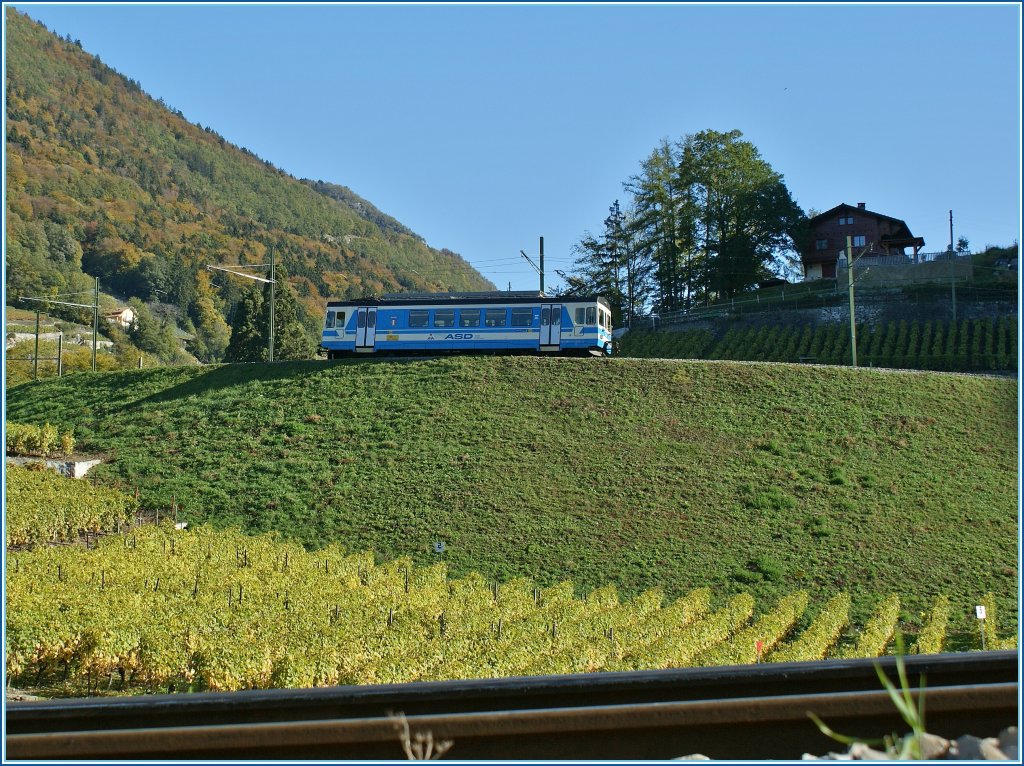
{"x":655,"y":225}
{"x":708,"y":219}
{"x":736,"y":211}
{"x":212,"y":333}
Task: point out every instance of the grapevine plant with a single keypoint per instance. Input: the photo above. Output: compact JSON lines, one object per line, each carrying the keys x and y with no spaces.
{"x":163,"y":609}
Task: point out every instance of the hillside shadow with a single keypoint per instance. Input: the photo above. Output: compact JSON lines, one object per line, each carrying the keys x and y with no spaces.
{"x":229,"y":375}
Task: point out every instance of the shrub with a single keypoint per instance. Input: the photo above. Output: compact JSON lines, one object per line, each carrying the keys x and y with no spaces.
{"x":44,"y":441}
{"x":67,"y":442}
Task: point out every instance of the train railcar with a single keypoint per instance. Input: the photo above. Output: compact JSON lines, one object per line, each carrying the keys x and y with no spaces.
{"x":468,"y":322}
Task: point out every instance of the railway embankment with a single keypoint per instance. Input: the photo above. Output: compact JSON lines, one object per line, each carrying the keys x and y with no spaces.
{"x":759,"y":478}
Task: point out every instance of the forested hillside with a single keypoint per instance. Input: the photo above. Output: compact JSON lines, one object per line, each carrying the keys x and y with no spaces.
{"x":104,"y":181}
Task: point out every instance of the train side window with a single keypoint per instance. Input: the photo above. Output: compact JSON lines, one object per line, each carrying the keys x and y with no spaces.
{"x":556,"y":316}
{"x":591,"y":315}
{"x":418,"y":318}
{"x":330,"y":320}
{"x":371,"y":319}
{"x":469,"y":318}
{"x":580,"y":313}
{"x":545,"y":316}
{"x":522,"y":317}
{"x":361,"y":320}
{"x":495,"y":318}
{"x":340,"y":321}
{"x":444,"y":318}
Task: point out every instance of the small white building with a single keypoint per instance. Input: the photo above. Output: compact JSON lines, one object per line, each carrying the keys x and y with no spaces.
{"x":123,"y":317}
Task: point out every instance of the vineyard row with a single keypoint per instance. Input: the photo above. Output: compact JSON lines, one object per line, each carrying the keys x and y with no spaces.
{"x":159,"y":608}
{"x":969,"y":345}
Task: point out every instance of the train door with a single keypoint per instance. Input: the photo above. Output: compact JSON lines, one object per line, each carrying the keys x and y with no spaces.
{"x":366,"y":328}
{"x":551,"y":327}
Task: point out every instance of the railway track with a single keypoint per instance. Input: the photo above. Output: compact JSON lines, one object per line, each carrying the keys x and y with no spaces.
{"x":746,"y":712}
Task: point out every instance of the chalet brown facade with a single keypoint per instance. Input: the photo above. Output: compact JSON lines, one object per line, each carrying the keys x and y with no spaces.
{"x":885,"y":235}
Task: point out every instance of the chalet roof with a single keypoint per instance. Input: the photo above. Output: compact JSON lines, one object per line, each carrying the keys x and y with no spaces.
{"x":902,"y":232}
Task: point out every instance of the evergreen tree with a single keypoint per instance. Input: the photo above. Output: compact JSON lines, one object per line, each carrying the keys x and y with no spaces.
{"x":248,"y":329}
{"x":291,"y":341}
{"x":614,"y":266}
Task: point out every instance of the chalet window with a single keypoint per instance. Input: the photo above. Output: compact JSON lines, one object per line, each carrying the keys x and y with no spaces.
{"x":821,"y":244}
{"x":858,"y":241}
{"x":846,"y":220}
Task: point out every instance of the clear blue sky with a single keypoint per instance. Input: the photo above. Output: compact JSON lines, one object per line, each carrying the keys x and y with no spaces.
{"x":484,"y":127}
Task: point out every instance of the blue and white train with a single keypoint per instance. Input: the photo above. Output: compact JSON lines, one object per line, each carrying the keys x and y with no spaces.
{"x":468,"y":322}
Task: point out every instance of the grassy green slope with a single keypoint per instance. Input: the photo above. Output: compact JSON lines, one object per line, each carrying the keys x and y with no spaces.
{"x":634,"y":472}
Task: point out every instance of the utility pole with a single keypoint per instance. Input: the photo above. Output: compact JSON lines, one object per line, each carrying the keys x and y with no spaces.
{"x":273,"y":284}
{"x":539,"y":270}
{"x":542,"y":264}
{"x":95,"y":320}
{"x":853,"y":318}
{"x":850,"y":260}
{"x":35,"y":356}
{"x":952,"y":266}
{"x":60,"y":337}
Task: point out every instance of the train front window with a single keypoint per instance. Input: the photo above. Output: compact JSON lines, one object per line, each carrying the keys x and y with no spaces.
{"x":418,"y":318}
{"x":591,"y":315}
{"x":330,"y":320}
{"x":495,"y":318}
{"x":469,"y":318}
{"x":444,"y":318}
{"x":522,"y":317}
